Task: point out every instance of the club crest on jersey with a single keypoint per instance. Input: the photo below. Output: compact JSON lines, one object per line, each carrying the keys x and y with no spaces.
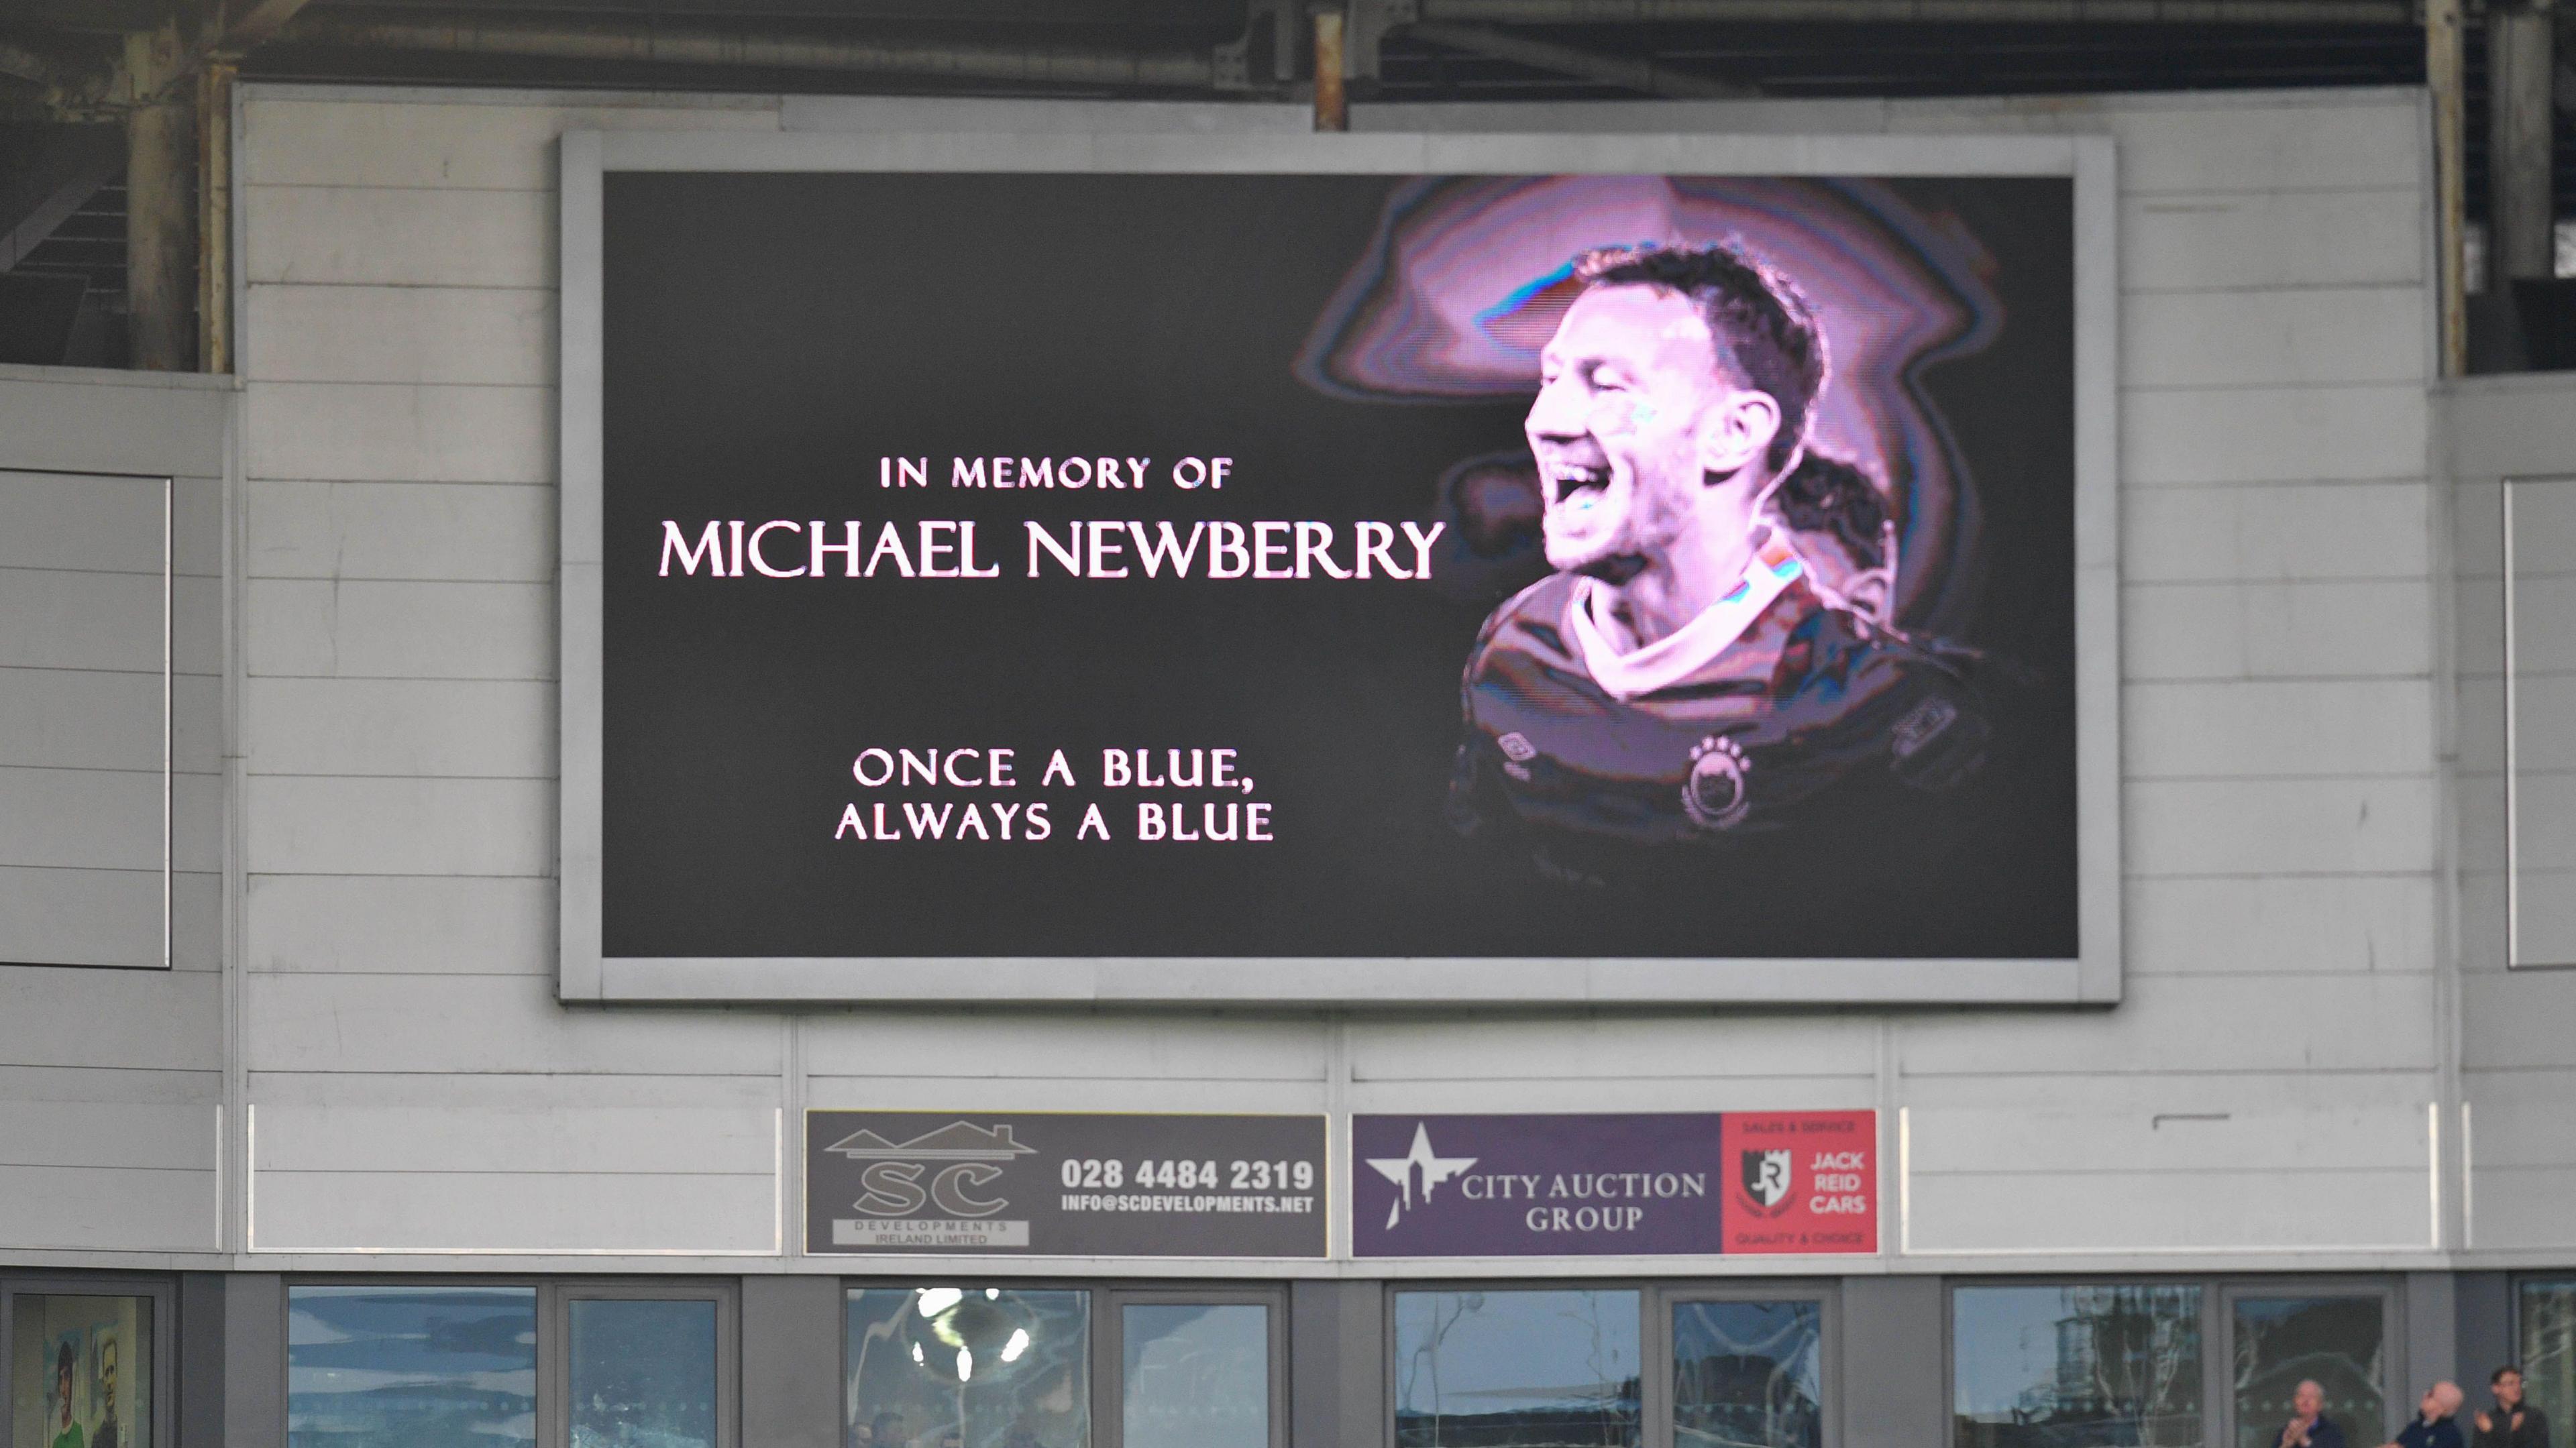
{"x":1713,"y":792}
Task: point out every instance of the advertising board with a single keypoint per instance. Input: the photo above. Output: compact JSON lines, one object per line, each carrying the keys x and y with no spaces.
{"x":1065,"y":1184}
{"x":1037,"y":572}
{"x":1629,"y":1185}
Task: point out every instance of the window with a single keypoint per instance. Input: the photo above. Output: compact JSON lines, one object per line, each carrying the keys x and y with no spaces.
{"x":968,"y":1367}
{"x":2076,"y":1366}
{"x":643,"y":1369}
{"x":2545,"y":1346}
{"x":1196,"y":1374}
{"x":2335,"y":1341}
{"x":973,"y":1365}
{"x":385,"y":1365}
{"x":1748,"y":1374}
{"x":83,"y":1369}
{"x":1506,"y":1369}
{"x":411,"y":1367}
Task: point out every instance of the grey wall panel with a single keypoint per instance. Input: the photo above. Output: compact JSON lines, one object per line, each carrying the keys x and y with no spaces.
{"x":1901,"y":1399}
{"x":2210,"y":433}
{"x":2483,"y":1302}
{"x":457,"y":532}
{"x":487,"y":141}
{"x":791,"y":1362}
{"x":200,"y":1343}
{"x":135,"y":423}
{"x":254,"y":1360}
{"x":1337,"y":1369}
{"x":2432,"y":1338}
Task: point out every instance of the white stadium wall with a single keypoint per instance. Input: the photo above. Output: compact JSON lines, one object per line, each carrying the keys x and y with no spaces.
{"x":2281,"y":1086}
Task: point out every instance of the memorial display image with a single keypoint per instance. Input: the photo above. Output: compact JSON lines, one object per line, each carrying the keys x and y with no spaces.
{"x":1339,"y":566}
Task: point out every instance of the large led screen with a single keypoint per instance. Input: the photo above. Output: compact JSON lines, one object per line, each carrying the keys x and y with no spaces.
{"x":1255,"y":569}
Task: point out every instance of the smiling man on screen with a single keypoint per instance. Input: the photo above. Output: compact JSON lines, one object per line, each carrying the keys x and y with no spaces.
{"x":1683,"y":679}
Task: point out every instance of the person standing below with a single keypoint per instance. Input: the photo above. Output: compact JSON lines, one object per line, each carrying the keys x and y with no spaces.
{"x":2309,"y":1427}
{"x":2432,"y":1427}
{"x":2511,"y":1423}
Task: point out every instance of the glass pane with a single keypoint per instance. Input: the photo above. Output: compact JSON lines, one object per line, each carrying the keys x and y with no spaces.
{"x":2332,"y":1341}
{"x":2080,"y":1366}
{"x":2548,"y":1351}
{"x":642,"y":1374}
{"x":1748,"y":1375}
{"x":968,"y":1367}
{"x":1516,"y":1369}
{"x":411,"y":1367}
{"x":81,"y":1375}
{"x":1197,"y":1375}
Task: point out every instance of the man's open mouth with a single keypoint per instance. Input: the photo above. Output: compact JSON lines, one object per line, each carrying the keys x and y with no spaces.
{"x":1564,"y":480}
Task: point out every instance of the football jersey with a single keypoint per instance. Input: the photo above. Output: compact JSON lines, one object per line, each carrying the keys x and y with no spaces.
{"x":1772,"y":707}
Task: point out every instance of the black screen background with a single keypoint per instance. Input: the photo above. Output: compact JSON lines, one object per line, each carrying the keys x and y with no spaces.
{"x":768,"y":337}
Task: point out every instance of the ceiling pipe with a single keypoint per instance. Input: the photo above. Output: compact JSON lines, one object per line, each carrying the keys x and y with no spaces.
{"x":1642,"y":76}
{"x":2020,"y":12}
{"x":687,"y":45}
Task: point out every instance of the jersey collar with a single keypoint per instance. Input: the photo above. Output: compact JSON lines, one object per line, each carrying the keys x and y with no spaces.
{"x":1679,"y":654}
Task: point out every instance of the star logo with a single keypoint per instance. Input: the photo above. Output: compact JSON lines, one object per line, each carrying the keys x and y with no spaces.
{"x":1400,"y":1170}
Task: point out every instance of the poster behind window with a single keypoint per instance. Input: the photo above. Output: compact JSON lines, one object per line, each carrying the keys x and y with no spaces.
{"x":81,"y":1372}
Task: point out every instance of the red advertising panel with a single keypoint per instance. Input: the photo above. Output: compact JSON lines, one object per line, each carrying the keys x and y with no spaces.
{"x":1801,"y":1181}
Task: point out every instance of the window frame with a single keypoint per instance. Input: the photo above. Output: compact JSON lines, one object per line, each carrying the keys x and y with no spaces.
{"x":554,"y":1345}
{"x":164,"y":1294}
{"x":1661,"y":1431}
{"x":2392,"y":1335}
{"x":1104,"y":1362}
{"x":1109,"y":1349}
{"x":2218,"y":1297}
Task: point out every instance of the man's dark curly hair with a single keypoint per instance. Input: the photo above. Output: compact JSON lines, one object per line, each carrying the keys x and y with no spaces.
{"x":1766,"y":334}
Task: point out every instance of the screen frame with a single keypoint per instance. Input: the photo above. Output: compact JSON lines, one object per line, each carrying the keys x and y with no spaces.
{"x":1091,"y":142}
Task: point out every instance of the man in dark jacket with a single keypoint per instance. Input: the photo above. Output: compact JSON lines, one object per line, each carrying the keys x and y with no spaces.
{"x":2512,"y":1423}
{"x":2309,"y":1427}
{"x":2433,"y":1426}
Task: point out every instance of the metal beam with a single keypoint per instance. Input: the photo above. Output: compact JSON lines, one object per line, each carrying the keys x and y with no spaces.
{"x":2444,"y":70}
{"x":689,"y":45}
{"x":2039,"y":12}
{"x":2520,"y":240}
{"x":248,"y":23}
{"x":1643,"y":76}
{"x":160,"y":205}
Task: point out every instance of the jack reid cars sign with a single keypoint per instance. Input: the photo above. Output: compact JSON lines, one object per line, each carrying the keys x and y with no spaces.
{"x":1058,"y":1184}
{"x":1648,"y":1184}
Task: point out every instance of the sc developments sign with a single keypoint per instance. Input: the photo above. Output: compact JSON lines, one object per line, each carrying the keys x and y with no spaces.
{"x":1073,"y":575}
{"x":1064,"y":1185}
{"x":1652,"y":1184}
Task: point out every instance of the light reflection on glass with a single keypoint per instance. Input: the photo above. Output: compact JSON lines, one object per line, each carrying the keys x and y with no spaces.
{"x":2084,"y":1366}
{"x":946,"y":1367}
{"x":1747,"y":1375}
{"x":411,"y":1367}
{"x":1196,"y":1375}
{"x":1538,"y":1369}
{"x":2334,"y":1341}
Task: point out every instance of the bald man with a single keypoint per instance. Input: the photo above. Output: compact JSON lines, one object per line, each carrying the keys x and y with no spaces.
{"x":2432,"y":1427}
{"x":2309,"y":1427}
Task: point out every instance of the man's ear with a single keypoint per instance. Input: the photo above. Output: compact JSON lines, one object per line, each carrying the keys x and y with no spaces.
{"x":1737,"y":432}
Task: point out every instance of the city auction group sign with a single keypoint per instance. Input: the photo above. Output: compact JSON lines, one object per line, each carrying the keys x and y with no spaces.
{"x":1649,"y":1184}
{"x":1305,"y":583}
